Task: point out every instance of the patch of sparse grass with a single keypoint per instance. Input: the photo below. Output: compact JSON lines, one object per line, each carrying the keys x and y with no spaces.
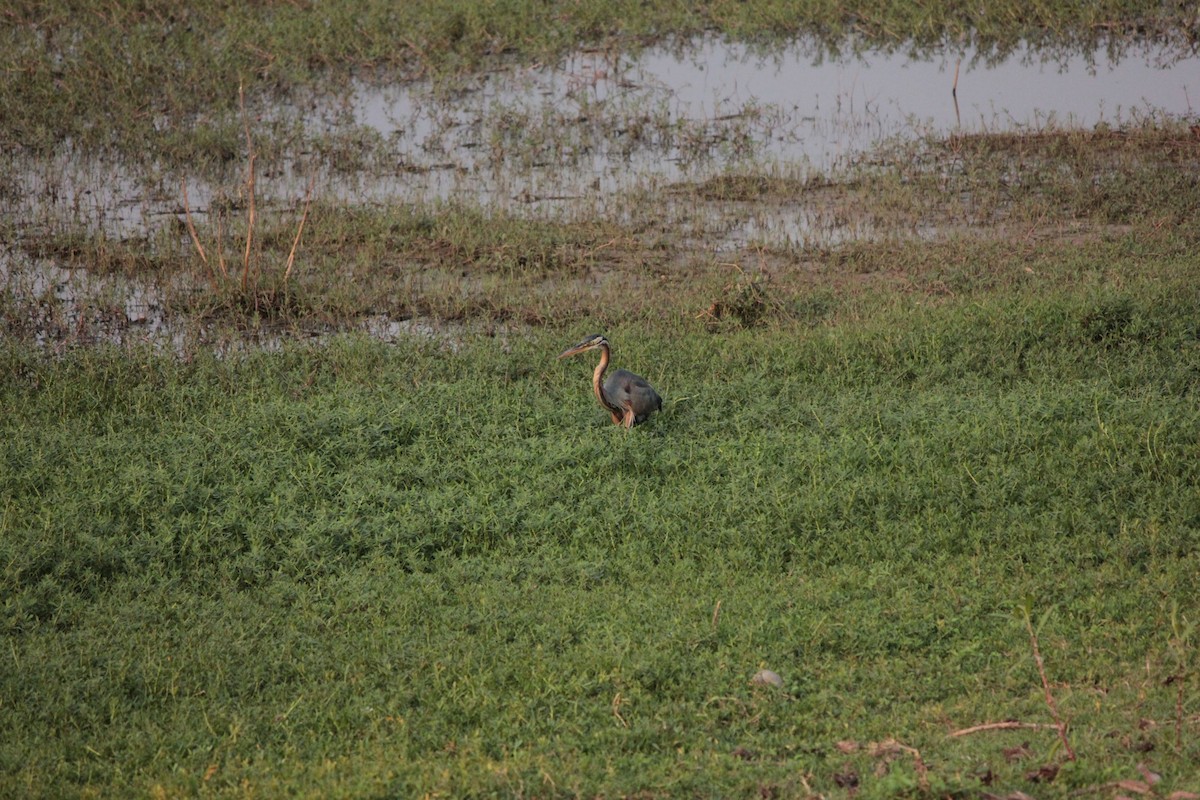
{"x":1144,"y":172}
{"x":752,"y":188}
{"x":1071,"y":183}
{"x":448,"y":262}
{"x":368,"y":569}
{"x":457,"y":263}
{"x":97,"y":251}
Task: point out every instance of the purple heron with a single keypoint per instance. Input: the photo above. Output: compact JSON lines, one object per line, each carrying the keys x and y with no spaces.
{"x":628,"y":397}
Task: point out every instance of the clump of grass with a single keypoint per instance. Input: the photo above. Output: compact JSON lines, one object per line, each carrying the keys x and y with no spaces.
{"x":754,"y":188}
{"x":748,"y":301}
{"x":240,"y":281}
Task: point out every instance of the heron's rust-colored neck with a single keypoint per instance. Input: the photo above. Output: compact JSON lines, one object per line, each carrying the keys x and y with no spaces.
{"x":598,"y":383}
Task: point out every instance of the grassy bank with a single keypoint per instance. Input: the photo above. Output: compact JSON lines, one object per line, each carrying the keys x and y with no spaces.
{"x":363,"y":569}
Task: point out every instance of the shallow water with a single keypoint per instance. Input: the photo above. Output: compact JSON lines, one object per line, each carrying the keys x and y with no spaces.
{"x":598,"y":124}
{"x":571,"y":137}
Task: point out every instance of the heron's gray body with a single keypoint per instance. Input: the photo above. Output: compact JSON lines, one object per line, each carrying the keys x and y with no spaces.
{"x":629,"y":398}
{"x":624,"y":390}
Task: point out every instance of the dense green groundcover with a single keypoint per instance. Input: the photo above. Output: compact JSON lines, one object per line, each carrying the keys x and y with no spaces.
{"x":389,"y":570}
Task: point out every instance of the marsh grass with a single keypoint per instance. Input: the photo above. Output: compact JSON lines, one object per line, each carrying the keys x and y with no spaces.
{"x":73,"y":246}
{"x":1139,"y":172}
{"x":1079,"y":184}
{"x":155,"y":80}
{"x":957,"y":217}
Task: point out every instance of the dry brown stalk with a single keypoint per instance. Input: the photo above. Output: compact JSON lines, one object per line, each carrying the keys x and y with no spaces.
{"x":616,"y":710}
{"x":187,"y":215}
{"x":807,"y":788}
{"x":291,"y":259}
{"x":250,"y":219}
{"x":219,"y":276}
{"x":250,"y":213}
{"x":221,"y":247}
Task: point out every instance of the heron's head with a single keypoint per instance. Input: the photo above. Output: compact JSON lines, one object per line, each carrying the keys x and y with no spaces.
{"x":590,"y":343}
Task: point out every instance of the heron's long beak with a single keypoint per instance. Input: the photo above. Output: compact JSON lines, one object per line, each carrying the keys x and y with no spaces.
{"x":587,"y":344}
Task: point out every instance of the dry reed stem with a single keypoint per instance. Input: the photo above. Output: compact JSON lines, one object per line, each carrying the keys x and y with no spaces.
{"x":221,"y":248}
{"x":250,"y":220}
{"x":187,"y":215}
{"x":291,"y":259}
{"x":1041,"y":668}
{"x":250,"y":213}
{"x":954,"y":93}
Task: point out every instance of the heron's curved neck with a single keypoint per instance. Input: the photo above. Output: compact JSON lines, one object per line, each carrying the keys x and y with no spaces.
{"x":598,"y":379}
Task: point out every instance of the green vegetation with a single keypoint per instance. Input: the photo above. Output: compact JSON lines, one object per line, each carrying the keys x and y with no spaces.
{"x":362,"y":569}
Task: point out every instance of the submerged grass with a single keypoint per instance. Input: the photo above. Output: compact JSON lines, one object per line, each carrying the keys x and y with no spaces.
{"x":367,"y":569}
{"x":947,"y":217}
{"x":1012,"y":185}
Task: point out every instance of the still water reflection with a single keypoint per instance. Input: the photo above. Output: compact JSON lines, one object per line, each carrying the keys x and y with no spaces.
{"x":596,"y":121}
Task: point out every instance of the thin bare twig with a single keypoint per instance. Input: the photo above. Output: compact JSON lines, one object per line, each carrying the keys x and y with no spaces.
{"x":1002,"y":726}
{"x":616,"y":710}
{"x":1041,"y":668}
{"x":918,"y":762}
